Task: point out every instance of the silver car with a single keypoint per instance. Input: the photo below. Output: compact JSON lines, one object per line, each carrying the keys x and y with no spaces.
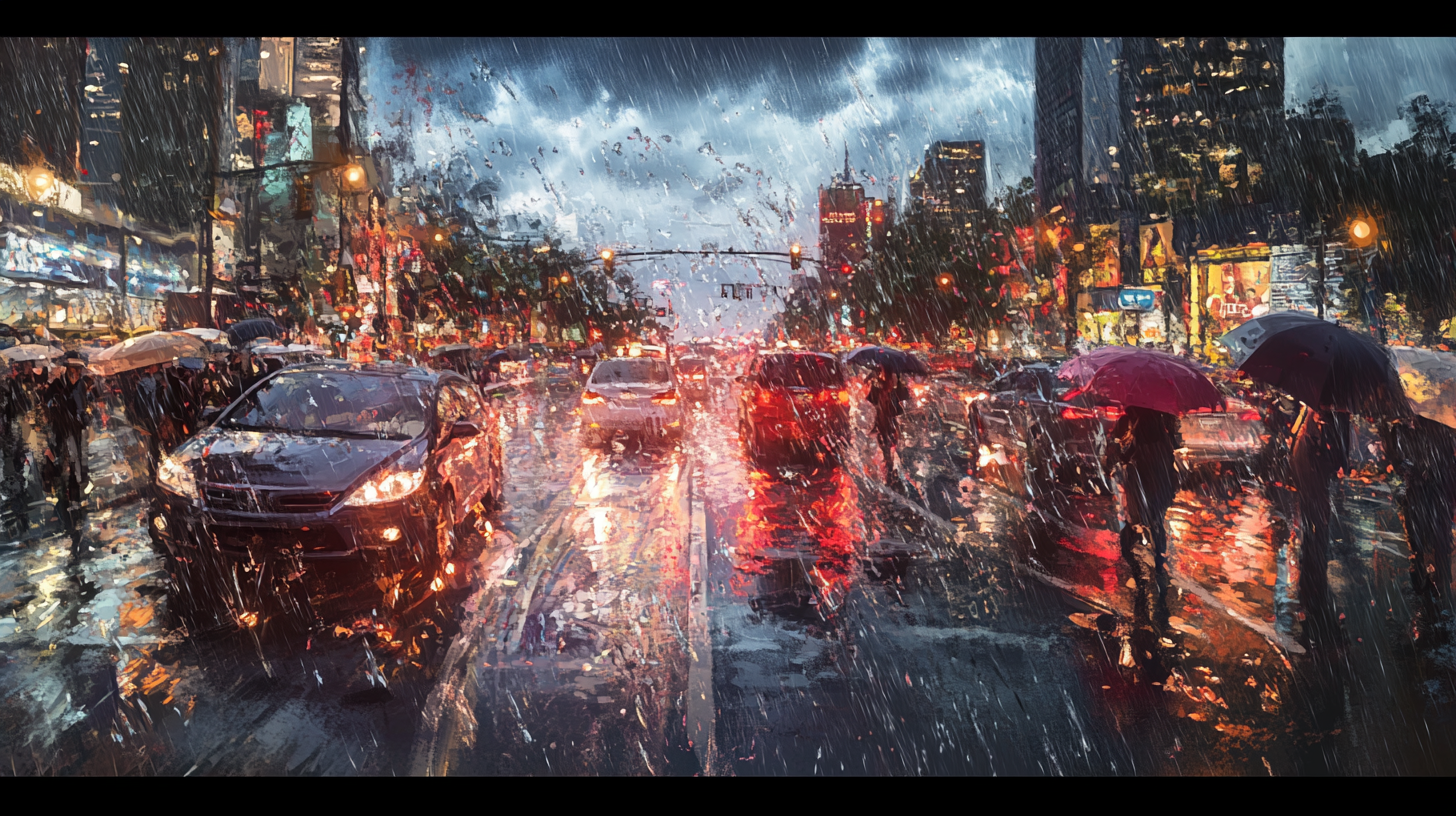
{"x":634,"y":395}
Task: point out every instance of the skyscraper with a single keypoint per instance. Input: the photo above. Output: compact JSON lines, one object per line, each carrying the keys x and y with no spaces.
{"x":1079,"y":127}
{"x":952,"y":182}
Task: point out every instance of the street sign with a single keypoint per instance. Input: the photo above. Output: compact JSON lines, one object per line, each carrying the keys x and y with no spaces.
{"x":1136,"y":300}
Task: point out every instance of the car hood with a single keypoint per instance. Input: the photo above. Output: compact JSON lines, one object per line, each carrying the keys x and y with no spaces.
{"x":282,"y":460}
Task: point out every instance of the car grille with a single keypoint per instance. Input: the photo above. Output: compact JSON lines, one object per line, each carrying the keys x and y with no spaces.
{"x":253,"y":500}
{"x":304,"y":502}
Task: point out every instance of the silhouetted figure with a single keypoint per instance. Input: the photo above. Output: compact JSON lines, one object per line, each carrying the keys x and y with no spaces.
{"x":1423,"y":453}
{"x":15,"y":405}
{"x":889,"y":396}
{"x":1319,"y":454}
{"x":1143,"y":441}
{"x":68,"y":401}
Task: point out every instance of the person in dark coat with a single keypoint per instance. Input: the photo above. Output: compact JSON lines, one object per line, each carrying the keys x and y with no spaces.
{"x":68,"y":402}
{"x":15,"y":405}
{"x":1144,"y":441}
{"x":180,"y":403}
{"x":889,"y":396}
{"x":1423,"y":453}
{"x":1318,"y":455}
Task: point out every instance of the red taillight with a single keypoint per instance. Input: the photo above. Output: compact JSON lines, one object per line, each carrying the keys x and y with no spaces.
{"x":844,"y":397}
{"x":1249,"y":416}
{"x":1111,"y":412}
{"x":1073,"y":412}
{"x":668,"y":397}
{"x":592,"y":398}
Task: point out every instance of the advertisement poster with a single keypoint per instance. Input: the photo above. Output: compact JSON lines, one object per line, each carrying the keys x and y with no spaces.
{"x":1237,"y":291}
{"x":1292,"y":278}
{"x":1156,"y":251}
{"x":1026,"y":245}
{"x":1104,"y":245}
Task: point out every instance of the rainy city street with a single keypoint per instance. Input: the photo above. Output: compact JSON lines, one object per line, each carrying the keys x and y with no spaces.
{"x":524,"y":406}
{"x":662,"y":611}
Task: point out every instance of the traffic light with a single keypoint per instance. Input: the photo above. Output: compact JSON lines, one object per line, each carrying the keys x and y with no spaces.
{"x":878,"y":215}
{"x":609,"y":261}
{"x":794,"y":253}
{"x":846,"y":269}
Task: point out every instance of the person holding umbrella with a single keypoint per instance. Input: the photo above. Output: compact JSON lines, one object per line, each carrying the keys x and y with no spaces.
{"x":68,"y":403}
{"x":1334,"y":372}
{"x":1153,"y":388}
{"x":1422,"y":449}
{"x":889,"y":396}
{"x":888,"y":393}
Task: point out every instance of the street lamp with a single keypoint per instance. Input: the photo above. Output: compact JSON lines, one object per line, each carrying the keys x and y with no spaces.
{"x":38,"y":181}
{"x":439,"y":237}
{"x":608,"y":260}
{"x":945,"y":281}
{"x":565,"y":278}
{"x":1363,"y":232}
{"x":354,"y":175}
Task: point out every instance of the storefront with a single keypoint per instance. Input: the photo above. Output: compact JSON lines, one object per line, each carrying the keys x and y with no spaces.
{"x":1228,"y":286}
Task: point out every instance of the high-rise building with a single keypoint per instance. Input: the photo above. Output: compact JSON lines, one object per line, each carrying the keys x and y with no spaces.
{"x":952,"y":182}
{"x":1079,"y":127}
{"x":842,"y":220}
{"x":1173,"y":123}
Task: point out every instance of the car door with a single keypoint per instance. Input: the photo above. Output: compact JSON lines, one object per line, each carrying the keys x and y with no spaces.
{"x":481,"y":450}
{"x":451,"y":458}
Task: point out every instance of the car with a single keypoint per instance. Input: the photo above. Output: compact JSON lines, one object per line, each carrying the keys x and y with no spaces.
{"x":692,"y":375}
{"x":1234,"y":436}
{"x":794,"y":400}
{"x":561,"y":375}
{"x":1042,"y":429}
{"x":633,"y":395}
{"x":360,"y":472}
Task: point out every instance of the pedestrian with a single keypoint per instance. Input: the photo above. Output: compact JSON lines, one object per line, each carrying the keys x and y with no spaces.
{"x":15,"y":406}
{"x":68,"y":404}
{"x":889,"y":395}
{"x":180,"y":403}
{"x":1423,"y":453}
{"x":1144,"y":442}
{"x":1318,"y":456}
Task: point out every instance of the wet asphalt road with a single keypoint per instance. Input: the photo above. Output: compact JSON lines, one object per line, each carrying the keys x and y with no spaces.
{"x":686,"y":611}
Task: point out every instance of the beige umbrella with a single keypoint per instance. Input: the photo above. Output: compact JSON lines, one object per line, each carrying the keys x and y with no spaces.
{"x":146,"y":350}
{"x":1429,"y":380}
{"x":30,"y":352}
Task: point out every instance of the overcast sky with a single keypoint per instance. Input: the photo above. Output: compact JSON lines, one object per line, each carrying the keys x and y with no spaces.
{"x":727,"y":141}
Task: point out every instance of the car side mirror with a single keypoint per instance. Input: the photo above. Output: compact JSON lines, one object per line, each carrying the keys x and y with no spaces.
{"x":462,"y":430}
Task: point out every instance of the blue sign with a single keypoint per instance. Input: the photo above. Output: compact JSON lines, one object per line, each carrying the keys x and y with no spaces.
{"x":1136,"y":300}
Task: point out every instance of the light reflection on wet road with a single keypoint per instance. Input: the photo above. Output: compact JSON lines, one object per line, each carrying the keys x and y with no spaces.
{"x":647,"y":610}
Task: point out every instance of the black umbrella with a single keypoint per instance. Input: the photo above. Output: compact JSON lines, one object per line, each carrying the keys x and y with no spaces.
{"x":1319,"y":364}
{"x":887,"y":359}
{"x":498,"y":357}
{"x":243,"y":332}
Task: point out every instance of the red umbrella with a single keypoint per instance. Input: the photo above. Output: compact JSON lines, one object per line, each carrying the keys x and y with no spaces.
{"x":1145,"y":378}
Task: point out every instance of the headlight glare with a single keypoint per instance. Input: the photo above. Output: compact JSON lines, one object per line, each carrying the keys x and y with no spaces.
{"x":176,"y":478}
{"x":387,"y":486}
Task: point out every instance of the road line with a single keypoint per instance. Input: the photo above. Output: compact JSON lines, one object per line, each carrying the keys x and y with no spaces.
{"x":453,"y":674}
{"x":702,"y":707}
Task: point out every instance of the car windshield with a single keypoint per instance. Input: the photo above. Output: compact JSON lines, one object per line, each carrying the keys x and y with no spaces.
{"x":334,"y":403}
{"x":631,"y":371}
{"x":802,"y":371}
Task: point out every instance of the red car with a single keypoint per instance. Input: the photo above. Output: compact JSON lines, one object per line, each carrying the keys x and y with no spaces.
{"x":794,"y":400}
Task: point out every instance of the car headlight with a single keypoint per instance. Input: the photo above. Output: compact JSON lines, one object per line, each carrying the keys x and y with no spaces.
{"x":176,"y":477}
{"x":391,"y":484}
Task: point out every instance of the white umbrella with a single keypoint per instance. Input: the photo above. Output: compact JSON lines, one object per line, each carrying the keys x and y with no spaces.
{"x":146,"y":350}
{"x":210,"y":335}
{"x":27,"y":352}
